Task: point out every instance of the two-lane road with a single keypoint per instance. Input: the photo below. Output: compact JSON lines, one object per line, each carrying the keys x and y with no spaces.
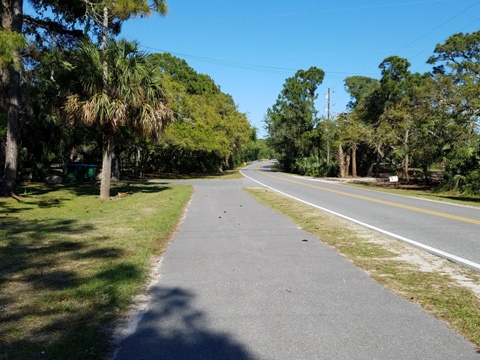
{"x":448,"y":230}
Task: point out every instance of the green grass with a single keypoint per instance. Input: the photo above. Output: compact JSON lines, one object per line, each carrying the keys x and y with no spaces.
{"x":434,"y":288}
{"x":70,"y":263}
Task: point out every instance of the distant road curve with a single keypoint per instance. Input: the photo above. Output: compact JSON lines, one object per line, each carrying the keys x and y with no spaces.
{"x":447,"y":230}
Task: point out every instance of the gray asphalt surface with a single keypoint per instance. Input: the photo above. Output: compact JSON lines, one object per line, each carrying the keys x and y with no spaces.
{"x":431,"y":223}
{"x":240,"y":281}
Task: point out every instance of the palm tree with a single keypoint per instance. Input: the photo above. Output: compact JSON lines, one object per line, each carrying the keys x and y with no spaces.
{"x":132,"y":95}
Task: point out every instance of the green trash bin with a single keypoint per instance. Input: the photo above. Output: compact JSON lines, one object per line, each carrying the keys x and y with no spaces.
{"x":91,"y":172}
{"x":81,"y":172}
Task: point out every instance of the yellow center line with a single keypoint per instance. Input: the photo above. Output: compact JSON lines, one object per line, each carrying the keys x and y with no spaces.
{"x":412,"y":208}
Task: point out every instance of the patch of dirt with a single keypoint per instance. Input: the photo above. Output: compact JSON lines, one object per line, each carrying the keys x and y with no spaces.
{"x":420,"y":260}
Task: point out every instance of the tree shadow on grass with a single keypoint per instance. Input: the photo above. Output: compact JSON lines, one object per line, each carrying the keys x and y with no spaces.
{"x":33,"y":255}
{"x":74,"y":305}
{"x":37,"y":245}
{"x":38,"y":276}
{"x":99,"y":253}
{"x":116,"y":189}
{"x":7,"y":209}
{"x":174,"y":329}
{"x":29,"y":244}
{"x":73,"y":334}
{"x":91,"y":189}
{"x":44,"y":196}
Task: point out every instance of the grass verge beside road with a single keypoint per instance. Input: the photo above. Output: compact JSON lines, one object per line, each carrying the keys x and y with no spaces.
{"x":448,"y":291}
{"x":70,"y":263}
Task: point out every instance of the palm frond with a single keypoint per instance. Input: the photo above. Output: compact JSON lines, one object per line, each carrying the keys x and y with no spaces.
{"x":133,"y":94}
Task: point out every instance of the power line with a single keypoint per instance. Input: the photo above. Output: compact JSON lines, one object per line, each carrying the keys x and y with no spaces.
{"x":239,"y":65}
{"x":439,"y":26}
{"x":244,"y":66}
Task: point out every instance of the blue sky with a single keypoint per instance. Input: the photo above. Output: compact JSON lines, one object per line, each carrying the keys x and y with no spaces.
{"x":250,"y":47}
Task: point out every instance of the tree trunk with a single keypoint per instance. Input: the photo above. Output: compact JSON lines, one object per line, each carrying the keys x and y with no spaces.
{"x":354,"y":160}
{"x":347,"y":165}
{"x":4,"y":89}
{"x":341,"y":161}
{"x":405,"y":168}
{"x":108,"y":130}
{"x":11,"y":152}
{"x":138,"y":157}
{"x":106,"y":164}
{"x":115,"y":166}
{"x":377,"y":164}
{"x":12,"y":19}
{"x":406,"y":159}
{"x":370,"y":169}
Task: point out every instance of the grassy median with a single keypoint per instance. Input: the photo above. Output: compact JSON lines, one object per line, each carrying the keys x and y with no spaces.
{"x":448,"y":291}
{"x":70,"y":263}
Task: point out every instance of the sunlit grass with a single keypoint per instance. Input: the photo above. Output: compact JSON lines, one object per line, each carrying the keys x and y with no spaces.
{"x":70,"y":263}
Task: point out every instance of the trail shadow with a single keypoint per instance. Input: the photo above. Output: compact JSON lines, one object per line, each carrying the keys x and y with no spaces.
{"x":173,"y":329}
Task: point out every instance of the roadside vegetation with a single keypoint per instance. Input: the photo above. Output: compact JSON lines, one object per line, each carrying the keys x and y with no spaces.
{"x":422,"y":127}
{"x":446,"y":290}
{"x":71,"y":264}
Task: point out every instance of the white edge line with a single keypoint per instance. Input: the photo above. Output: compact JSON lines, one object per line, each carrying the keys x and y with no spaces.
{"x":432,"y":250}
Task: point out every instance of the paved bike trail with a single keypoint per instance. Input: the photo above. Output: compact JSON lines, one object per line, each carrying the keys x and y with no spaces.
{"x":240,"y":281}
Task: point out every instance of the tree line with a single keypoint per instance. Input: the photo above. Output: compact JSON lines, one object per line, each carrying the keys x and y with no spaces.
{"x":403,"y":123}
{"x":73,"y":92}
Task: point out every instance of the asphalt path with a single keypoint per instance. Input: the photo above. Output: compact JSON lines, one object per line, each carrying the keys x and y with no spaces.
{"x":448,"y":230}
{"x":240,"y":281}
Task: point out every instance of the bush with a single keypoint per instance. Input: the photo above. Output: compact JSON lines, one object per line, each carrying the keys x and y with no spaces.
{"x":472,"y":183}
{"x":312,"y":166}
{"x":468,"y":184}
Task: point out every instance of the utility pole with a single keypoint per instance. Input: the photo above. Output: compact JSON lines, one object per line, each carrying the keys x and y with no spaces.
{"x":328,"y":103}
{"x":327,"y":109}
